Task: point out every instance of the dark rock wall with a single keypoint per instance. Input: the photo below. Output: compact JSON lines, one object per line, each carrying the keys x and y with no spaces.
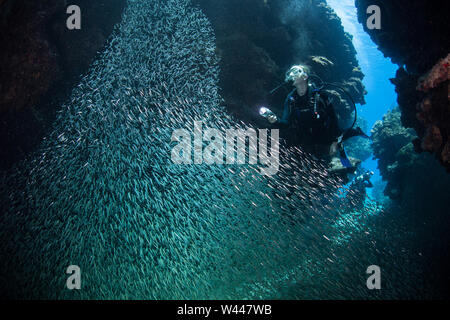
{"x":40,"y":62}
{"x":259,"y":40}
{"x":416,"y":35}
{"x":414,"y":180}
{"x":418,"y":186}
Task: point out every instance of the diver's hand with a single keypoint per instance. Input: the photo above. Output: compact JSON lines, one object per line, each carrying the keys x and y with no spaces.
{"x":269,"y":115}
{"x":272,"y":118}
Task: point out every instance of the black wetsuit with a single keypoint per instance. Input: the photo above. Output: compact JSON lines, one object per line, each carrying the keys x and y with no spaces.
{"x":311,"y":118}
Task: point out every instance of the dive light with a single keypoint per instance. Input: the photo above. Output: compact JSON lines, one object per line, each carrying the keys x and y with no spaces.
{"x":268,"y":114}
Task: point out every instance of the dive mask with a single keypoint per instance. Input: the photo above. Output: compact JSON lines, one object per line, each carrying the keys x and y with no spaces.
{"x":296,"y":72}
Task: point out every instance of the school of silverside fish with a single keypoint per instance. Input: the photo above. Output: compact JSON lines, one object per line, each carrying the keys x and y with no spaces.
{"x":102,"y":192}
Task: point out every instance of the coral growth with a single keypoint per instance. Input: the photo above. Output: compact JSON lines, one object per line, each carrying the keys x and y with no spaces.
{"x":438,"y":74}
{"x":389,"y":141}
{"x":433,"y":112}
{"x":416,"y":181}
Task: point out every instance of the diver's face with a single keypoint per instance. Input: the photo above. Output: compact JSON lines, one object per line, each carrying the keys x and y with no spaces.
{"x":301,"y":80}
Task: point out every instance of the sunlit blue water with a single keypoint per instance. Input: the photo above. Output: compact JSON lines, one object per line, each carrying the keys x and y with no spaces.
{"x":377,"y":69}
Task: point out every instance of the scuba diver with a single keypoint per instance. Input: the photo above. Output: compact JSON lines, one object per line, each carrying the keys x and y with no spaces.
{"x":312,"y":118}
{"x":357,"y":190}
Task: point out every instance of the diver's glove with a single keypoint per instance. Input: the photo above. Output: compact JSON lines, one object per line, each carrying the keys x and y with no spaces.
{"x":269,"y":115}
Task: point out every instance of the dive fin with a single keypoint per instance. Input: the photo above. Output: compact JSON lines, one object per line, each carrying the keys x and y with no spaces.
{"x":354,"y":133}
{"x":363,"y":134}
{"x":344,"y":159}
